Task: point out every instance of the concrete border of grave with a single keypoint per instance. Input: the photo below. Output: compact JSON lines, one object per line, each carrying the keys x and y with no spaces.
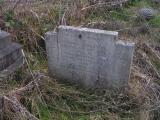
{"x":90,"y":58}
{"x":11,"y":57}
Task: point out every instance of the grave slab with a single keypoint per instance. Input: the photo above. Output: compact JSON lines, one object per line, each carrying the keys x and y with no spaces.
{"x":11,"y":57}
{"x":4,"y":39}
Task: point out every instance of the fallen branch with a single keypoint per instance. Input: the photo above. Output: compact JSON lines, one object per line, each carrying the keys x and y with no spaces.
{"x":12,"y":100}
{"x":20,"y":112}
{"x":21,"y":92}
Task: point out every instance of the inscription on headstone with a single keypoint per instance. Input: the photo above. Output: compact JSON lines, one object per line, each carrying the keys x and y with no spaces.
{"x":89,"y":57}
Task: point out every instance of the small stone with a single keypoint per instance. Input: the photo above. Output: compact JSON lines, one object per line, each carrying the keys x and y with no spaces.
{"x":146,"y":13}
{"x":143,"y":29}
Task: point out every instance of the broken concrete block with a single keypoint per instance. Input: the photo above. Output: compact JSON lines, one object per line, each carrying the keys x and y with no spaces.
{"x":11,"y":57}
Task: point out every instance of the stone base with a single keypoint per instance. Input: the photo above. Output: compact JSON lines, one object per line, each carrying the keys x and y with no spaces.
{"x":13,"y":67}
{"x":5,"y":39}
{"x":11,"y":56}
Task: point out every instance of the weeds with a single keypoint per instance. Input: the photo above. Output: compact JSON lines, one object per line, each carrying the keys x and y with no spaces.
{"x":62,"y":102}
{"x":155,"y":22}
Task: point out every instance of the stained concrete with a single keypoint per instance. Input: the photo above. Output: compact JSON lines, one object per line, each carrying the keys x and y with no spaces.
{"x":11,"y":57}
{"x":4,"y":39}
{"x":89,"y":57}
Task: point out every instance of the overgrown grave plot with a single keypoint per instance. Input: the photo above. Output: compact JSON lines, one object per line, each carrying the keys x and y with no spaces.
{"x":53,"y":100}
{"x":50,"y":21}
{"x":62,"y":102}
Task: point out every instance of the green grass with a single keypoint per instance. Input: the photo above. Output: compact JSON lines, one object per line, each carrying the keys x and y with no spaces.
{"x":43,"y":112}
{"x":155,"y":22}
{"x":122,"y":15}
{"x":12,"y":83}
{"x":141,"y":3}
{"x":69,"y":103}
{"x":38,"y":61}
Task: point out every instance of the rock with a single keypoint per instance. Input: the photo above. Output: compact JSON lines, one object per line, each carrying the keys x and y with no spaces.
{"x":146,"y":13}
{"x":143,"y":29}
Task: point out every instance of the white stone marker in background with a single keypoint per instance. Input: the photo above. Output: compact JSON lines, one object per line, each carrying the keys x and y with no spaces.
{"x":89,"y":57}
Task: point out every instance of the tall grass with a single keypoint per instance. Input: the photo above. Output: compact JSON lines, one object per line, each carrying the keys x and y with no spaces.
{"x":27,"y":24}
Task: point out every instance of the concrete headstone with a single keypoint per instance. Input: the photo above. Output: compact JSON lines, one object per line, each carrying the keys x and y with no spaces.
{"x":89,"y":57}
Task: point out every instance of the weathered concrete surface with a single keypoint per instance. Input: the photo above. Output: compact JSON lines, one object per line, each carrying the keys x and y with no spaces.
{"x":11,"y":56}
{"x":89,"y":57}
{"x":4,"y":39}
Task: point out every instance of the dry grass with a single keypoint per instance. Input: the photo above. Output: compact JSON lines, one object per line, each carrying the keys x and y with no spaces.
{"x":28,"y":22}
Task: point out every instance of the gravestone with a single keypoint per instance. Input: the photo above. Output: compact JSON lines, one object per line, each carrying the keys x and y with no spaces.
{"x":11,"y":56}
{"x":89,"y":57}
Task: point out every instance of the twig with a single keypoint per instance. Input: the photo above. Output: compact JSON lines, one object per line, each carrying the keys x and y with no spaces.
{"x":19,"y":110}
{"x":11,"y":100}
{"x":109,"y":4}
